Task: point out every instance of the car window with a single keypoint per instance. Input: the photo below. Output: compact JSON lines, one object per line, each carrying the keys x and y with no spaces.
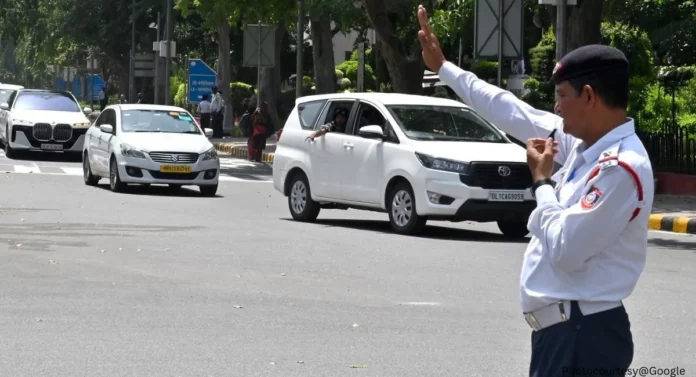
{"x":368,"y":115}
{"x":444,"y":123}
{"x":309,"y":112}
{"x":162,"y":121}
{"x":5,"y":95}
{"x":328,"y":115}
{"x":46,"y":101}
{"x":102,"y":118}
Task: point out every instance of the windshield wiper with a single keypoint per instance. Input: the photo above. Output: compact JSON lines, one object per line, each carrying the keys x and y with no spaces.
{"x":147,"y":131}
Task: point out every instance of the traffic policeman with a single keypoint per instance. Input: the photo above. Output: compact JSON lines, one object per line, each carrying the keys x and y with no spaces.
{"x":590,"y":228}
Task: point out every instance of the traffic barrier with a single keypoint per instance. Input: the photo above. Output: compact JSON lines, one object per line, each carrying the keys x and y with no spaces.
{"x":676,"y":224}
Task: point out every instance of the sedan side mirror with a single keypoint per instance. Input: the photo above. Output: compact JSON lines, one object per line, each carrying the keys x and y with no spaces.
{"x":208,"y":132}
{"x":371,"y":132}
{"x":4,"y":106}
{"x":107,"y":128}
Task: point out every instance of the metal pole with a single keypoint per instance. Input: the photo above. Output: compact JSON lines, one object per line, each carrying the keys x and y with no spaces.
{"x":131,"y":81}
{"x":561,"y":18}
{"x":500,"y":42}
{"x":300,"y":48}
{"x":167,"y":67}
{"x":461,"y":46}
{"x":258,"y":96}
{"x":157,"y":60}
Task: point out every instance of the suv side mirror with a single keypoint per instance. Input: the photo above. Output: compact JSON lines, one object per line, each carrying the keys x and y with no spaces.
{"x":208,"y":132}
{"x":87,"y":110}
{"x":4,"y":106}
{"x":371,"y":132}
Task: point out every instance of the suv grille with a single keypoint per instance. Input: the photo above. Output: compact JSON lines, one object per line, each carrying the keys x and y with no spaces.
{"x":174,"y":158}
{"x":488,"y":175}
{"x":42,"y":131}
{"x":62,"y":132}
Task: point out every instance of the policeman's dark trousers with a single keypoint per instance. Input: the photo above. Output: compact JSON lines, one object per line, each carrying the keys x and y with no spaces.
{"x":205,"y":121}
{"x":600,"y":344}
{"x":217,"y":124}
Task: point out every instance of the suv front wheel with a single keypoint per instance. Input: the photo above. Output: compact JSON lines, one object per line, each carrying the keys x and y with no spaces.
{"x":402,"y":210}
{"x":513,"y":229}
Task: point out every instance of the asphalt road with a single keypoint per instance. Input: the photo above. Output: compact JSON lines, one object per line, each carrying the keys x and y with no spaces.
{"x":153,"y":283}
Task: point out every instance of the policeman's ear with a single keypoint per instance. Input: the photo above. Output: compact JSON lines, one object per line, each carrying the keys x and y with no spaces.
{"x":589,"y":96}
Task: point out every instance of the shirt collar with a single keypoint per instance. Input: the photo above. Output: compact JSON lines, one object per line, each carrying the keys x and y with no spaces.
{"x":592,"y":153}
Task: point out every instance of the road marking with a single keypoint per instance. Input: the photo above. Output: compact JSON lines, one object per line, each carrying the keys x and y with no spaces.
{"x":26,"y":169}
{"x":72,"y":171}
{"x":416,"y":303}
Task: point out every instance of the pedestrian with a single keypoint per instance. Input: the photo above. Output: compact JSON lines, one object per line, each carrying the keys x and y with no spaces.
{"x":102,"y":98}
{"x":122,"y":99}
{"x":245,"y":123}
{"x":204,"y":111}
{"x":590,"y":227}
{"x":217,"y":112}
{"x":260,"y":127}
{"x":140,"y":98}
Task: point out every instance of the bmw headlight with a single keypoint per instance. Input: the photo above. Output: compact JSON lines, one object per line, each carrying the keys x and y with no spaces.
{"x":82,"y":125}
{"x":435,"y":163}
{"x":21,"y":122}
{"x":210,"y":154}
{"x":130,"y":151}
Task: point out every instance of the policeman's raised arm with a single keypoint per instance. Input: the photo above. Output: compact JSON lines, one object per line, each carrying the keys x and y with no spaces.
{"x":496,"y":105}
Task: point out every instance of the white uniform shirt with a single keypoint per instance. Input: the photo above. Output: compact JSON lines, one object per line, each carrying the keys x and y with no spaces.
{"x":204,"y":107}
{"x":217,"y":104}
{"x":584,"y":246}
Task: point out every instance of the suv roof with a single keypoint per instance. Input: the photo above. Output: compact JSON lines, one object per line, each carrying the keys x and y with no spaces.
{"x":385,"y":98}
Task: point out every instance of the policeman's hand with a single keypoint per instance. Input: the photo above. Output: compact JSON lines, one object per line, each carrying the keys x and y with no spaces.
{"x":432,"y":53}
{"x":540,"y":154}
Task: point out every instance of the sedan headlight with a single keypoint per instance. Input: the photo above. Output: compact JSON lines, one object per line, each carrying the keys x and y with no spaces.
{"x":82,"y":124}
{"x":210,"y":154}
{"x":435,"y":163}
{"x":130,"y":151}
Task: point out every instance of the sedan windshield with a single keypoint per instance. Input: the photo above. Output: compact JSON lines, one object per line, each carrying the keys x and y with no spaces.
{"x":158,"y":121}
{"x":444,"y":123}
{"x":46,"y":101}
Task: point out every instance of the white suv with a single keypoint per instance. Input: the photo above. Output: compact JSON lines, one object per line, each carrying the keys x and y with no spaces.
{"x":414,"y":157}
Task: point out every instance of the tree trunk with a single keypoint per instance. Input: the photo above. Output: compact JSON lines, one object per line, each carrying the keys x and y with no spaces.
{"x":323,"y":56}
{"x":224,"y":74}
{"x":406,"y":72}
{"x":270,"y":78}
{"x":583,"y":24}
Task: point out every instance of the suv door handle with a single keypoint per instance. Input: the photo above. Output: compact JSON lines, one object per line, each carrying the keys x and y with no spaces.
{"x":348,"y":145}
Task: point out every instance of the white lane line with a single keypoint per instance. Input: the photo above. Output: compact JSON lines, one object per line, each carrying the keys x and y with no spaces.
{"x":72,"y":171}
{"x":417,"y":303}
{"x":26,"y":169}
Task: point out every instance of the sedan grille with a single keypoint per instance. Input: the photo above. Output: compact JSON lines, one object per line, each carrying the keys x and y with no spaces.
{"x":42,"y":131}
{"x":501,"y":176}
{"x":62,"y":132}
{"x":174,"y":158}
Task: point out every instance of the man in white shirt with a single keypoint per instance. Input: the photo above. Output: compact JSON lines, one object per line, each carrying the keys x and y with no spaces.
{"x":217,"y":112}
{"x":204,"y":110}
{"x":590,"y":227}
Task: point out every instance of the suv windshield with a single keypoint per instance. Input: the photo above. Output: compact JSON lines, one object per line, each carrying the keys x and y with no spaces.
{"x":444,"y":123}
{"x":177,"y":122}
{"x":48,"y":101}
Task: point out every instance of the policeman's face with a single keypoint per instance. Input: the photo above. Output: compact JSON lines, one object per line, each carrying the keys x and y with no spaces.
{"x":576,"y":110}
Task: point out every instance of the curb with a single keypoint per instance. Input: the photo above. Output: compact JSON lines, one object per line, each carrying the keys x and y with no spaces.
{"x":240,"y":151}
{"x":674,"y":224}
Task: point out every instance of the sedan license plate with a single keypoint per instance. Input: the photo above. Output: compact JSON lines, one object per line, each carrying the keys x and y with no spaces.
{"x":175,"y":169}
{"x":506,"y":196}
{"x":52,"y":147}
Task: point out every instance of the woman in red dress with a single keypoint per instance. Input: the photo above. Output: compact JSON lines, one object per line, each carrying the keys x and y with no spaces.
{"x":257,"y":140}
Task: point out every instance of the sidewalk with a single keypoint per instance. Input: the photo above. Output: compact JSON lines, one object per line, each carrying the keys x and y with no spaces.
{"x":237,"y":147}
{"x":673,"y":213}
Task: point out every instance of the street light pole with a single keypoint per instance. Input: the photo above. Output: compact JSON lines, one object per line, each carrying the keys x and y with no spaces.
{"x":131,"y":76}
{"x":300,"y":44}
{"x":157,"y":60}
{"x":167,"y":66}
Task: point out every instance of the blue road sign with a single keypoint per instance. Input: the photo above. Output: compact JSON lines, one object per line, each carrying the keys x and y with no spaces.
{"x":201,"y":80}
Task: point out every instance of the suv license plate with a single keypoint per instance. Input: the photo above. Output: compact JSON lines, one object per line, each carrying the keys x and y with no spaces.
{"x":52,"y":147}
{"x":506,"y":196}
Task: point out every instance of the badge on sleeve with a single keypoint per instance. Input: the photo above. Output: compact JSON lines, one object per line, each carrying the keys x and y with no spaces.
{"x":591,"y":199}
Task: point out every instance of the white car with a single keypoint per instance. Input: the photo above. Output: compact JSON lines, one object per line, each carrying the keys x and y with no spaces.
{"x":42,"y":120}
{"x":414,"y":157}
{"x":150,"y":144}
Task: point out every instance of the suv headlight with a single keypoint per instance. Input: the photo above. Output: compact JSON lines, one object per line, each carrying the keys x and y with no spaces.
{"x":21,"y":122}
{"x":82,"y":125}
{"x":210,"y":154}
{"x":130,"y":151}
{"x":442,"y":164}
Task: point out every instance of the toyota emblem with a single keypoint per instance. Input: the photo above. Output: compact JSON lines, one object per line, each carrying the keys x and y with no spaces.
{"x":175,"y":158}
{"x":504,"y":171}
